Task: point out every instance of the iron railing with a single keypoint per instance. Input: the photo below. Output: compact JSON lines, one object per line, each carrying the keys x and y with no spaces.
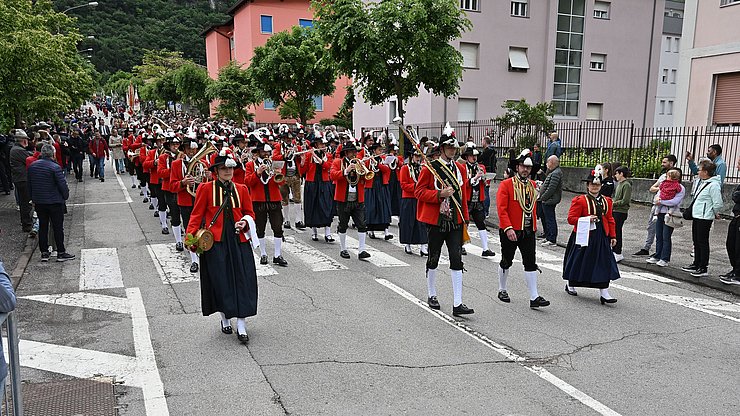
{"x":12,"y":391}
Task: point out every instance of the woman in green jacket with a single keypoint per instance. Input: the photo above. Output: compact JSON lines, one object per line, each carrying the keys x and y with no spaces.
{"x":621,"y":205}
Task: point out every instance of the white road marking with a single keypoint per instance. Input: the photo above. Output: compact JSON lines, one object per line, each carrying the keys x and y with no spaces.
{"x":506,"y":352}
{"x":155,"y":402}
{"x":377,"y":257}
{"x":100,"y":269}
{"x":646,"y":276}
{"x":123,"y":188}
{"x":316,"y":260}
{"x":85,"y":300}
{"x":263,"y":270}
{"x":172,"y":267}
{"x":99,"y":203}
{"x":443,"y":259}
{"x":697,"y":304}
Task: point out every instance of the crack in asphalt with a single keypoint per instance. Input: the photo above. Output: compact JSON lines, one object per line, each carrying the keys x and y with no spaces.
{"x":276,"y":399}
{"x":387,"y":365}
{"x":302,"y":291}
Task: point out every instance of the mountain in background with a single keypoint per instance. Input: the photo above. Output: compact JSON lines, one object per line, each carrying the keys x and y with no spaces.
{"x":123,"y":29}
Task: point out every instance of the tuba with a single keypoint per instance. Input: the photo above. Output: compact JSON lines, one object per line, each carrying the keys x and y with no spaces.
{"x":198,"y":167}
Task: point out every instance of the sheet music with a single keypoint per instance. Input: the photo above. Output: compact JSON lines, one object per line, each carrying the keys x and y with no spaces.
{"x":582,"y":230}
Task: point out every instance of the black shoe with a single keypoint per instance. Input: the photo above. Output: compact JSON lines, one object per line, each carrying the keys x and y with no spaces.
{"x":156,"y":214}
{"x":80,"y":180}
{"x":462,"y":310}
{"x":570,"y":292}
{"x":372,"y":235}
{"x":539,"y":301}
{"x":423,"y":253}
{"x":690,"y":268}
{"x":433,"y":302}
{"x":45,"y":256}
{"x":226,"y":329}
{"x":179,"y":247}
{"x":151,"y":206}
{"x":64,"y":257}
{"x":363,"y":255}
{"x":700,"y":272}
{"x":407,"y":250}
{"x":488,"y":253}
{"x":141,"y":193}
{"x":642,"y":252}
{"x":730,"y":275}
{"x":299,"y":225}
{"x":344,"y":254}
{"x":133,"y":186}
{"x":463,"y":251}
{"x":286,"y":225}
{"x":263,"y":259}
{"x":388,"y":237}
{"x":243,"y":338}
{"x":194,"y":268}
{"x":503,"y":296}
{"x":139,"y":186}
{"x":91,"y":175}
{"x":280,"y":261}
{"x":145,"y":200}
{"x":315,"y":237}
{"x":102,"y":179}
{"x":605,"y":300}
{"x":328,"y":239}
{"x":165,"y":230}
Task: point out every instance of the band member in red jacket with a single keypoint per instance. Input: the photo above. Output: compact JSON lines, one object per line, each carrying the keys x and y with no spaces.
{"x":265,"y":192}
{"x":128,"y":144}
{"x":179,"y":181}
{"x":149,"y":144}
{"x":377,"y":194}
{"x":443,"y":207}
{"x":228,"y":277}
{"x":318,"y":191}
{"x":285,"y":151}
{"x":154,"y":183}
{"x":166,"y":158}
{"x":515,"y":200}
{"x":239,"y":143}
{"x":349,"y":194}
{"x":411,"y":231}
{"x":476,"y":194}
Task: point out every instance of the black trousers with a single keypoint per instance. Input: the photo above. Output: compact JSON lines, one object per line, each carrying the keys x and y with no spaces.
{"x":268,"y":210}
{"x":185,"y":212}
{"x":174,"y":208}
{"x":356,"y":210}
{"x":155,"y":191}
{"x":478,"y":216}
{"x":700,"y":236}
{"x":24,"y":202}
{"x":452,"y":238}
{"x":525,"y":242}
{"x":77,"y":165}
{"x":733,"y":243}
{"x":55,"y":214}
{"x":619,"y":218}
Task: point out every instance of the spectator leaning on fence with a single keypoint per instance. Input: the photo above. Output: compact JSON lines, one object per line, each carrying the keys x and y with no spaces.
{"x":668,"y":162}
{"x":714,"y":153}
{"x":7,"y":304}
{"x":733,"y":239}
{"x":620,"y":205}
{"x":551,"y":192}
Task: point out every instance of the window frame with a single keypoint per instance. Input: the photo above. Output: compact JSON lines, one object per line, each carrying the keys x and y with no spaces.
{"x":272,"y":24}
{"x":602,"y":63}
{"x":301,"y":21}
{"x":601,"y":111}
{"x":725,"y":3}
{"x":477,"y":55}
{"x":473,"y":99}
{"x":520,"y":4}
{"x":602,"y":14}
{"x":526,"y":56}
{"x":273,"y":107}
{"x":316,"y":97}
{"x":470,"y":5}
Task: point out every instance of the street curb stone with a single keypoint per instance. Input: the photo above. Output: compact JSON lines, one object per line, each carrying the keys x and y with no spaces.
{"x":23,"y":260}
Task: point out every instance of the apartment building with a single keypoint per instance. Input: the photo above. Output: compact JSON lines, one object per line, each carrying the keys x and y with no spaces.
{"x":709,"y":65}
{"x":594,"y":59}
{"x":665,"y":98}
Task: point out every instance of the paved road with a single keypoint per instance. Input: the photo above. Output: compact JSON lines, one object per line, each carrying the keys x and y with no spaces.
{"x":337,"y":336}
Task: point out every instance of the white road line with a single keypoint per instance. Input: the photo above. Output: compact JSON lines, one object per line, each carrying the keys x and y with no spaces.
{"x":85,"y":300}
{"x":99,"y":203}
{"x":263,"y":270}
{"x":316,"y":260}
{"x":100,"y":269}
{"x":172,"y":267}
{"x":442,"y":258}
{"x":690,"y":303}
{"x":506,"y":352}
{"x":123,"y":188}
{"x":155,"y":402}
{"x":377,"y":257}
{"x":646,"y":276}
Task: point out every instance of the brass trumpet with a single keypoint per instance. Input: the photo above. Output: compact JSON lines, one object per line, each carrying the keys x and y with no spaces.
{"x":359,"y":167}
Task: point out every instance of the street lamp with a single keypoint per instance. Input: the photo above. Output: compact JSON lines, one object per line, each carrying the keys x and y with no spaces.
{"x":86,"y":50}
{"x":90,"y":4}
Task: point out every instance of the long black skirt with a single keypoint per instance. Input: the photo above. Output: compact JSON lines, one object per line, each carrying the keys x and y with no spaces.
{"x":394,"y":187}
{"x":591,"y":266}
{"x":377,"y":206}
{"x":228,"y":278}
{"x":410,"y":230}
{"x":318,"y":202}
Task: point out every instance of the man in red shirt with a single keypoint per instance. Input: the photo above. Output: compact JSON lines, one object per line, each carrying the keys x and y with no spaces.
{"x":99,"y":152}
{"x":349,"y":193}
{"x":442,"y":205}
{"x":515,"y":199}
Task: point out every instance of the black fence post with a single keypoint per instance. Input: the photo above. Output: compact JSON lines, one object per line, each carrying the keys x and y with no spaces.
{"x":580,"y":143}
{"x":632,"y":137}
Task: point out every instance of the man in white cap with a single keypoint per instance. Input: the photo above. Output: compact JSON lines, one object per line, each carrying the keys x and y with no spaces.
{"x":516,"y":200}
{"x":18,"y":155}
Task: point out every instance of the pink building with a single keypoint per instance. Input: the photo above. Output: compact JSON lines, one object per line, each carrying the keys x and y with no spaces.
{"x":709,"y":68}
{"x":251,"y":24}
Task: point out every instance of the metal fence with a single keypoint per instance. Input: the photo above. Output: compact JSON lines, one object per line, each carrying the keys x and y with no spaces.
{"x":586,"y":144}
{"x":12,"y":402}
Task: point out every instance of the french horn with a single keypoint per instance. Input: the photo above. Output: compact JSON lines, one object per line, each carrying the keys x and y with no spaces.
{"x":198,"y":167}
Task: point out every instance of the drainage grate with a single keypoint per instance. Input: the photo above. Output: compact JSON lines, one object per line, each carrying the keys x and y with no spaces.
{"x":93,"y":397}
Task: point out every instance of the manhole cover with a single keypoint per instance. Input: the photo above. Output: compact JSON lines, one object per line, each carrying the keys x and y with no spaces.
{"x":70,"y":398}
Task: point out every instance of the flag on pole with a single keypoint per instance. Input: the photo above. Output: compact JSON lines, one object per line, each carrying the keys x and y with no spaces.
{"x":130,"y":96}
{"x":137,"y":103}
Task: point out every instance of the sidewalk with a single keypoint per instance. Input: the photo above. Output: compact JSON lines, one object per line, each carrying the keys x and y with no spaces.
{"x":634,"y":235}
{"x":14,"y":243}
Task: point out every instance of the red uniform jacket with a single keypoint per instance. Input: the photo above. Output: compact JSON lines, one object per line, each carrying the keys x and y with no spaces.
{"x":149,"y":166}
{"x":580,"y":207}
{"x":278,"y":154}
{"x":427,"y":209}
{"x":510,"y":213}
{"x":408,"y":185}
{"x":177,"y":174}
{"x":207,"y":204}
{"x":341,"y":186}
{"x":143,"y":157}
{"x":135,"y":144}
{"x":163,"y":170}
{"x":261,"y":192}
{"x":481,"y":186}
{"x":308,"y":168}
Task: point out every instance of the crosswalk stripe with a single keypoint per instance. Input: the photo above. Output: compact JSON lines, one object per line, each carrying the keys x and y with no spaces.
{"x":442,"y":258}
{"x":85,"y":300}
{"x":377,"y":258}
{"x":100,"y":269}
{"x":171,"y":266}
{"x":316,"y":260}
{"x":263,"y":270}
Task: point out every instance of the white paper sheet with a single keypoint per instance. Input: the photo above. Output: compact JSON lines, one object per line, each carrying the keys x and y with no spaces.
{"x":582,"y":230}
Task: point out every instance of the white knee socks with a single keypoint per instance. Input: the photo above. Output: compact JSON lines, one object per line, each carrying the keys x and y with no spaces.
{"x":531,"y":278}
{"x":286,"y":213}
{"x":194,"y":258}
{"x":361,"y":237}
{"x":241,"y":325}
{"x":327,"y":231}
{"x":298,"y":212}
{"x":456,"y":287}
{"x":503,"y":275}
{"x":425,"y":248}
{"x":224,"y":321}
{"x":483,"y":234}
{"x":163,"y":218}
{"x":177,"y":230}
{"x":278,"y":246}
{"x":343,"y":241}
{"x":432,"y":282}
{"x":263,"y":250}
{"x":146,"y":191}
{"x":155,"y":202}
{"x":133,"y":180}
{"x":605,"y":293}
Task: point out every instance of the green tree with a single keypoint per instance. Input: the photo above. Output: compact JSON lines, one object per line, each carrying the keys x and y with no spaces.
{"x":41,"y":72}
{"x":118,"y":83}
{"x":235,"y":92}
{"x":292,"y":68}
{"x":191,"y":82}
{"x":525,"y":123}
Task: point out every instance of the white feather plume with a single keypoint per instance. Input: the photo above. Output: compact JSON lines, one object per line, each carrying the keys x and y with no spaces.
{"x":448,"y":130}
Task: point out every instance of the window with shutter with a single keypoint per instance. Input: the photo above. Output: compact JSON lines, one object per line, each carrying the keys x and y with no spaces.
{"x":469,"y":52}
{"x":726,"y":99}
{"x":466,"y":109}
{"x":594,"y":111}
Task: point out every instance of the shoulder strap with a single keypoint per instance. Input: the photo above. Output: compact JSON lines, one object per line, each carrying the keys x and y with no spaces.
{"x":221,"y":208}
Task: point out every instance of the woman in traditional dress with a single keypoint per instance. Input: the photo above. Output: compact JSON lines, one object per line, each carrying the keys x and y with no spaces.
{"x":592,"y":265}
{"x":228,"y":278}
{"x":318,"y":194}
{"x":410,"y":230}
{"x":395,"y":163}
{"x":377,"y":195}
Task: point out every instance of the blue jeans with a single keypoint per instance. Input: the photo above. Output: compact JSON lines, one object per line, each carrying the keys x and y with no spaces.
{"x":663,"y":244}
{"x":100,"y":164}
{"x":551,"y":224}
{"x":487,"y":201}
{"x":120,"y":168}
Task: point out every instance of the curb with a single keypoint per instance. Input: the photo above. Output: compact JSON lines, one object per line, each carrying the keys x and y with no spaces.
{"x":669,"y":272}
{"x":23,"y":260}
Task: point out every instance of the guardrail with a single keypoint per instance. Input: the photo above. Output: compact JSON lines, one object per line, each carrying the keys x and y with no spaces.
{"x":13,"y":407}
